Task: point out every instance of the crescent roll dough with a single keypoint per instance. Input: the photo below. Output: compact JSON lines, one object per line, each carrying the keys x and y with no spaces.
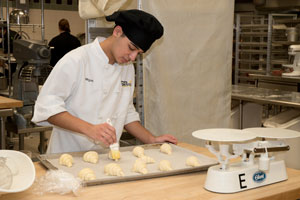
{"x":87,"y":174}
{"x":113,"y":169}
{"x":192,"y":161}
{"x":138,"y":151}
{"x":66,"y":159}
{"x":164,"y":165}
{"x":91,"y":157}
{"x":166,"y":148}
{"x":114,"y":155}
{"x":147,"y":159}
{"x":139,"y":166}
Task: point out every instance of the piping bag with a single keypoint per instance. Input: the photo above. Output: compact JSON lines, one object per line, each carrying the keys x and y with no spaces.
{"x":114,"y":148}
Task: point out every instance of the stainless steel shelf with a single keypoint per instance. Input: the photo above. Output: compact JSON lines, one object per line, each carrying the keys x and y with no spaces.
{"x":254,"y":26}
{"x":25,"y":25}
{"x":254,"y":34}
{"x":285,"y":43}
{"x":283,"y":21}
{"x":245,"y":61}
{"x":256,"y":44}
{"x":250,"y":51}
{"x":253,"y":71}
{"x":279,"y":61}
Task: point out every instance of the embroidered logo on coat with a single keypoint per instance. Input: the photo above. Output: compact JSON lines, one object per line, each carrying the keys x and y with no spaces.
{"x":89,"y":80}
{"x":126,"y":83}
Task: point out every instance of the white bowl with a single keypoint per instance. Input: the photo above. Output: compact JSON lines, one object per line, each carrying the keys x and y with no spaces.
{"x":23,"y":168}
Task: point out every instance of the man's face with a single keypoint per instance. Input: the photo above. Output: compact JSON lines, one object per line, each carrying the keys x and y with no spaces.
{"x":124,"y":50}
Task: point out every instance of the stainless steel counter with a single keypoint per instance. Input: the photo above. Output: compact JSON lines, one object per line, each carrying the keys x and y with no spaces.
{"x":289,"y":79}
{"x":264,"y":96}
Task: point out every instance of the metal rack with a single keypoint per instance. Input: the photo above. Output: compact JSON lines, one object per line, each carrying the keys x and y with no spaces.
{"x":250,"y":45}
{"x":261,"y":44}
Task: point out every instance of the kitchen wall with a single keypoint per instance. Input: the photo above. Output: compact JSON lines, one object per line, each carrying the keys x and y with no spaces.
{"x":51,"y":18}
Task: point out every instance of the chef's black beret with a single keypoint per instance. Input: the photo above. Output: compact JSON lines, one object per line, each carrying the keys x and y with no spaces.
{"x":140,"y":27}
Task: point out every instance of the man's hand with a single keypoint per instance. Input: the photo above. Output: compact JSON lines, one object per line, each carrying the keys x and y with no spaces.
{"x":165,"y":138}
{"x":138,"y":131}
{"x":99,"y":132}
{"x":104,"y":133}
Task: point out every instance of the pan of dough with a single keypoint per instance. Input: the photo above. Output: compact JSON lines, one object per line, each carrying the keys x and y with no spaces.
{"x":164,"y":160}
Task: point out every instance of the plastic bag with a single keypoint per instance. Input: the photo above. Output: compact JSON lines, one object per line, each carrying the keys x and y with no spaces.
{"x":57,"y":181}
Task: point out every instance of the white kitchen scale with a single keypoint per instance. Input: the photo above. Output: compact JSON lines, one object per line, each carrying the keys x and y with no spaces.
{"x":257,"y":148}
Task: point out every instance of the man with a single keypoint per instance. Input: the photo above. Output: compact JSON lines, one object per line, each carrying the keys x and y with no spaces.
{"x":63,"y":43}
{"x":95,"y":83}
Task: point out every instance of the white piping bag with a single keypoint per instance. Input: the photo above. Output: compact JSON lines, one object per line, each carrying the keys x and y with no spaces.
{"x":114,"y":148}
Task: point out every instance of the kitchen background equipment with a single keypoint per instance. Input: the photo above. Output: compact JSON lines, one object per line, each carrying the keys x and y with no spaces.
{"x":292,"y":34}
{"x":258,"y":149}
{"x":18,"y":16}
{"x":32,"y":58}
{"x":294,"y":53}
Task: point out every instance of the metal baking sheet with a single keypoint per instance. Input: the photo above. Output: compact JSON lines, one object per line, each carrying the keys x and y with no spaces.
{"x":177,"y":160}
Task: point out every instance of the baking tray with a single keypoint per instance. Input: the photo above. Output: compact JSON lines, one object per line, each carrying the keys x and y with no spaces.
{"x":177,"y":160}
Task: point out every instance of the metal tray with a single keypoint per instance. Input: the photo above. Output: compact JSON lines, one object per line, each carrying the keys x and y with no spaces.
{"x":177,"y":159}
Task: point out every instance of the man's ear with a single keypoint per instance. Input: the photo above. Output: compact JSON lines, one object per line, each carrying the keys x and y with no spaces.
{"x":118,"y":31}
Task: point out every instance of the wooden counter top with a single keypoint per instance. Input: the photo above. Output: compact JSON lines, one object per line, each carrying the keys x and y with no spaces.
{"x":186,"y":186}
{"x":9,"y":103}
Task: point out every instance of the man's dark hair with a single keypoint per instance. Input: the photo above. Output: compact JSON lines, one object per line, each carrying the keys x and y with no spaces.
{"x":63,"y":25}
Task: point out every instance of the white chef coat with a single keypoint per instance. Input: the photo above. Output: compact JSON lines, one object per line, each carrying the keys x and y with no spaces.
{"x":88,"y":87}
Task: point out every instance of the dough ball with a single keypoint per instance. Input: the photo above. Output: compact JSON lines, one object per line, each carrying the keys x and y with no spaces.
{"x":192,"y":161}
{"x":148,"y":159}
{"x":66,"y":160}
{"x":139,"y":166}
{"x":165,"y":165}
{"x":87,"y":174}
{"x":113,"y":169}
{"x":138,"y":151}
{"x":166,"y":148}
{"x":91,"y":157}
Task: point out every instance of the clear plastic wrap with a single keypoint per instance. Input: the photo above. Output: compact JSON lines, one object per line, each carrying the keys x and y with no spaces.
{"x":57,"y":181}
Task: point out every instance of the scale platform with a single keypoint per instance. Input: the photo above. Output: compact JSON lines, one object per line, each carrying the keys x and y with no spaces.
{"x":273,"y":133}
{"x":224,"y":135}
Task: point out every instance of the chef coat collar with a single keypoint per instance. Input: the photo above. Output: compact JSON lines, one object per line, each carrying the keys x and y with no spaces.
{"x":101,"y":51}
